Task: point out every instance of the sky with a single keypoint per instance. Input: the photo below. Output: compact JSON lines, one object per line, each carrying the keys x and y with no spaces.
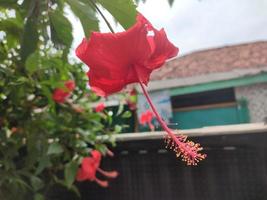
{"x":194,"y":25}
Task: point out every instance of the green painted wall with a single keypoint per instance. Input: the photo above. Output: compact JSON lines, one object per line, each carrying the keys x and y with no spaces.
{"x":214,"y":116}
{"x":211,"y":117}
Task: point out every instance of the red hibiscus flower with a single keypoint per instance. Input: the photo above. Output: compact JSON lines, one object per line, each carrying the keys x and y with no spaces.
{"x":100,"y":107}
{"x":117,"y":59}
{"x":146,"y":118}
{"x":89,"y":167}
{"x":61,"y":94}
{"x":87,"y":170}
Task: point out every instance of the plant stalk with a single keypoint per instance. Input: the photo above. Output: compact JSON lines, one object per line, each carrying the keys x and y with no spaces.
{"x":102,"y":15}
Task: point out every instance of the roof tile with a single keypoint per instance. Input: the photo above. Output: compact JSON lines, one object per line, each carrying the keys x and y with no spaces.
{"x":224,"y":59}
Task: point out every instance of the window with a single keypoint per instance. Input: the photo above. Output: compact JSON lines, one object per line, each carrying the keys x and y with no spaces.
{"x":210,"y":108}
{"x":203,"y":98}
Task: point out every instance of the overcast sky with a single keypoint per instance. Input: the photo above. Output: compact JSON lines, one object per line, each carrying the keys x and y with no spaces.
{"x":200,"y":24}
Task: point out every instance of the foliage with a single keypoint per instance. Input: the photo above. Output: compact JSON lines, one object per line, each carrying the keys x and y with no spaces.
{"x":170,"y":2}
{"x":42,"y":142}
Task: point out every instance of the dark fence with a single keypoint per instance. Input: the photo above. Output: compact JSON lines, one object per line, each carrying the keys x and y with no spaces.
{"x":235,"y":169}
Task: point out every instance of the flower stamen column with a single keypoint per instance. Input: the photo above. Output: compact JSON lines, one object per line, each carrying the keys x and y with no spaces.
{"x":188,"y":150}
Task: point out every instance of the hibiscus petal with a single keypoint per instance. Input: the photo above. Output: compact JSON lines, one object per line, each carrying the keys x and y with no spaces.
{"x":112,"y":57}
{"x":141,"y":19}
{"x":163,"y":49}
{"x":116,"y":60}
{"x":104,"y":87}
{"x":89,"y":167}
{"x":81,"y":175}
{"x":109,"y":174}
{"x":143,"y":73}
{"x":101,"y":182}
{"x":82,"y":49}
{"x":96,"y":155}
{"x":98,"y":91}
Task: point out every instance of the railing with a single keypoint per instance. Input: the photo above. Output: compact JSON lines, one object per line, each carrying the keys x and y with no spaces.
{"x":235,"y":169}
{"x":205,"y":131}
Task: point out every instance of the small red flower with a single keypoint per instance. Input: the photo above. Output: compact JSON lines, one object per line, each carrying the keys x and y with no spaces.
{"x":118,"y":59}
{"x":87,"y":170}
{"x":61,"y":94}
{"x":70,"y":84}
{"x":146,"y":118}
{"x":100,"y":107}
{"x":89,"y":167}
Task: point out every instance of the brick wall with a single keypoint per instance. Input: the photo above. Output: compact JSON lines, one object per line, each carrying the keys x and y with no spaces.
{"x":256,"y":95}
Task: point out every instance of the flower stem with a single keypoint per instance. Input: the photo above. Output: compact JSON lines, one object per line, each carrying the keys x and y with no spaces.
{"x":102,"y":15}
{"x":160,"y":120}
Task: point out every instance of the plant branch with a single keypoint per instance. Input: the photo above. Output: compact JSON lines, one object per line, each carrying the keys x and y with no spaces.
{"x":102,"y":15}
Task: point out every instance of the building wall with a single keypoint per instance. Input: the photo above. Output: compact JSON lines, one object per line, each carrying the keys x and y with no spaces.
{"x":256,"y":95}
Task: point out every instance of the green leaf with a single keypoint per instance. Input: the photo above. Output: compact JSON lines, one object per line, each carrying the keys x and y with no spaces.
{"x":12,"y":41}
{"x":101,"y":147}
{"x":36,"y":183}
{"x":72,"y":188}
{"x":39,"y":196}
{"x":21,"y":80}
{"x":8,"y":4}
{"x":32,"y":62}
{"x":118,"y":128}
{"x":84,"y":133}
{"x":43,"y":163}
{"x":126,"y":114}
{"x":124,"y":11}
{"x":61,"y":29}
{"x":12,"y":26}
{"x":29,"y":38}
{"x":54,"y":148}
{"x":86,"y":15}
{"x":120,"y":109}
{"x":70,"y":173}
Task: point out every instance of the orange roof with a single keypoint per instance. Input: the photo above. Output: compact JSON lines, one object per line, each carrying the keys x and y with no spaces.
{"x":224,"y":59}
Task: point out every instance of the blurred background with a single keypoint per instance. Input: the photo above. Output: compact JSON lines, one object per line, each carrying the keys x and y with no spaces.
{"x":214,"y":92}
